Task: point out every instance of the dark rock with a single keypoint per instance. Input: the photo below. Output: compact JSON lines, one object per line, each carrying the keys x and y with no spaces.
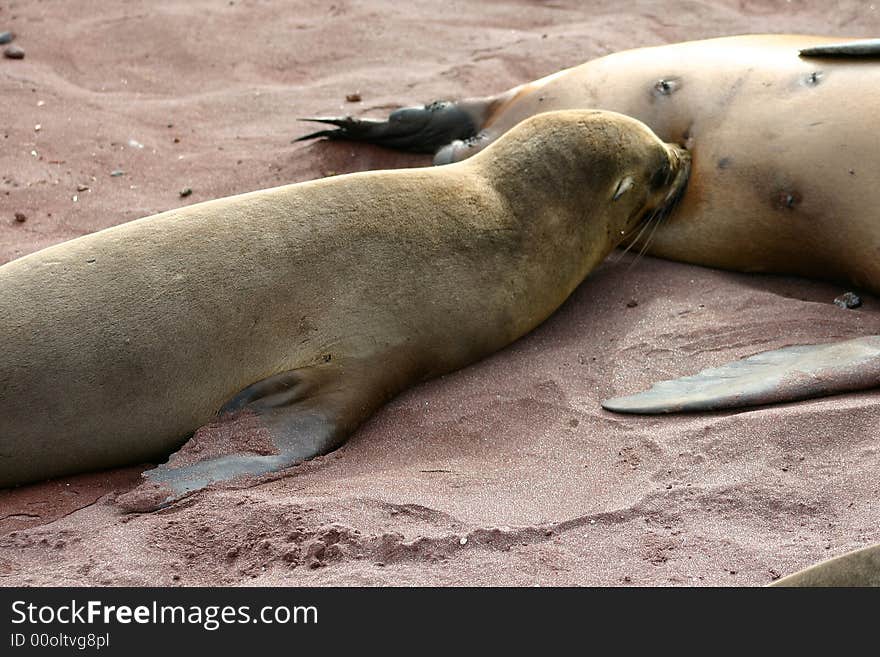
{"x":848,"y":300}
{"x":13,"y":52}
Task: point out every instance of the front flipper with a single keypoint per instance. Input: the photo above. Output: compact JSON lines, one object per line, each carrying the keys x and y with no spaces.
{"x":784,"y":375}
{"x":416,"y":129}
{"x":271,"y":425}
{"x":864,"y":48}
{"x":856,"y":568}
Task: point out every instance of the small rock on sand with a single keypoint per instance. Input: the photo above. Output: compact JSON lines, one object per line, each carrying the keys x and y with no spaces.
{"x":13,"y":52}
{"x":20,"y":217}
{"x":186,"y":191}
{"x":353,"y":98}
{"x":848,"y":300}
{"x":6,"y":37}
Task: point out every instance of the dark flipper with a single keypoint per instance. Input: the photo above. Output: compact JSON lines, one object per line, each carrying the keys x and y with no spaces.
{"x":863,"y":48}
{"x":270,"y":425}
{"x":416,"y":129}
{"x":857,"y":568}
{"x":789,"y":374}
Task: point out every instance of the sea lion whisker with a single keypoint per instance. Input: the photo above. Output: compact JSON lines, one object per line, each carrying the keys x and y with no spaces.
{"x":642,"y":225}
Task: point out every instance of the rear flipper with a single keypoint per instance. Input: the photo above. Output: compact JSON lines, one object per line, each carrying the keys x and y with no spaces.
{"x":856,"y":568}
{"x":784,"y":375}
{"x":864,"y":48}
{"x":271,"y":425}
{"x":416,"y":129}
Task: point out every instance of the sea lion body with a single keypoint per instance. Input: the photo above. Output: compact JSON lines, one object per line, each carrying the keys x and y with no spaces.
{"x":307,"y":305}
{"x":785,"y":148}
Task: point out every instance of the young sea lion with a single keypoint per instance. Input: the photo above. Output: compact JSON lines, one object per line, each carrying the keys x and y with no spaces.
{"x":301,"y":309}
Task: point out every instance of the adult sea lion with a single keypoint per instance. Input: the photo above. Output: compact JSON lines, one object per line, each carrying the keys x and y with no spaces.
{"x":299,"y":310}
{"x":783,"y":134}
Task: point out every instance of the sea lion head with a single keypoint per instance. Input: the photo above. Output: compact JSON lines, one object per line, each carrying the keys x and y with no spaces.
{"x":604,"y":170}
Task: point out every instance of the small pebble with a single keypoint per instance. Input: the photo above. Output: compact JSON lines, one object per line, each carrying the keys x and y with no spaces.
{"x":117,"y":173}
{"x":186,"y":191}
{"x":848,"y":300}
{"x":38,"y":127}
{"x":6,"y":37}
{"x":13,"y":52}
{"x":463,"y":540}
{"x":353,"y":98}
{"x":20,"y":217}
{"x":82,"y":188}
{"x":632,"y":303}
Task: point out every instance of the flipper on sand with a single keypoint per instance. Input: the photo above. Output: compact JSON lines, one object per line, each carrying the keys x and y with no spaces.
{"x":861,"y":48}
{"x":270,"y":425}
{"x":416,"y":129}
{"x":784,"y":375}
{"x":857,"y":568}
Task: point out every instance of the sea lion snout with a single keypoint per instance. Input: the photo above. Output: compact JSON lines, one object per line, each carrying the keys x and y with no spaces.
{"x":678,"y":174}
{"x":666,"y":182}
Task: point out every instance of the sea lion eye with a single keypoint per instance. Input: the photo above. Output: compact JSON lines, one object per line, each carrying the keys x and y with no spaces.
{"x":623,"y":186}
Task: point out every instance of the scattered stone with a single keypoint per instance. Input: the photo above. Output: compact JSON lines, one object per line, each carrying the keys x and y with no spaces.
{"x":117,"y":173}
{"x":6,"y":37}
{"x":186,"y":191}
{"x":353,"y":98}
{"x":848,"y":300}
{"x":632,"y":303}
{"x":38,"y":127}
{"x":20,"y":217}
{"x":13,"y":52}
{"x":82,"y":188}
{"x":462,"y":540}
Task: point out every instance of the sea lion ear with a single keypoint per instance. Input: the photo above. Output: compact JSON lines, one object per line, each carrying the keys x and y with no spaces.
{"x":783,"y":375}
{"x":271,"y":425}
